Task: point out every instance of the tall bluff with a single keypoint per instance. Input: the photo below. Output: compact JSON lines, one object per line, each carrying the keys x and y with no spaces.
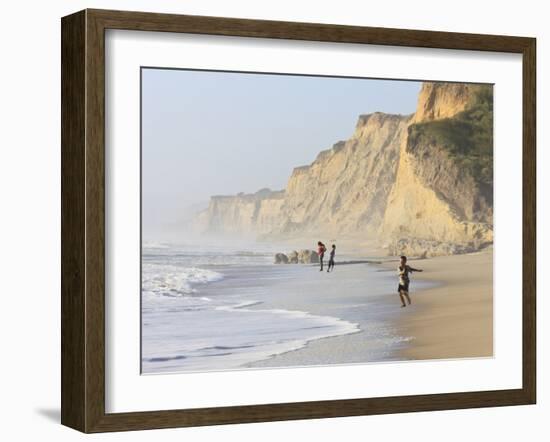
{"x":414,"y":181}
{"x":242,"y":214}
{"x":343,"y":192}
{"x":442,"y":193}
{"x":442,"y":100}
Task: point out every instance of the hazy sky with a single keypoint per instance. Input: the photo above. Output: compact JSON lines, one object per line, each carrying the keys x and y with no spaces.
{"x":211,"y":133}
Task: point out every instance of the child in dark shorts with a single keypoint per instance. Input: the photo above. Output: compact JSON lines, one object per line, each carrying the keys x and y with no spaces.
{"x":403,"y":288}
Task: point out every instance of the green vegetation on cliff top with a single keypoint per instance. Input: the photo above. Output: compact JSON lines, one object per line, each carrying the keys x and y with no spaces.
{"x":468,"y":136}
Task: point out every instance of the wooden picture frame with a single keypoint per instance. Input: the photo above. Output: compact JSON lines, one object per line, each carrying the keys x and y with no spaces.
{"x":83,"y":220}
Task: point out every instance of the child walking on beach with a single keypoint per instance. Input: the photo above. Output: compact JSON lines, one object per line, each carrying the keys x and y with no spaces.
{"x":331,"y":258}
{"x":321,"y":249}
{"x":403,"y":288}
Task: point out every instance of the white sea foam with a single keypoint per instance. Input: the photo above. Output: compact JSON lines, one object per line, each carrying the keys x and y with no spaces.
{"x":188,"y":325}
{"x":207,"y":255}
{"x":229,"y":336}
{"x":170,"y":280}
{"x":199,"y":314}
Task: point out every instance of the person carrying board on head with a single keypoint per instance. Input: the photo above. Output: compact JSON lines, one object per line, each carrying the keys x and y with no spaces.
{"x":321,"y":249}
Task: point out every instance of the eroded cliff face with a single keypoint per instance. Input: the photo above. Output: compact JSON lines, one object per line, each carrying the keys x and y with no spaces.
{"x":242,"y":214}
{"x":345,"y":190}
{"x":442,"y":100}
{"x":439,"y":195}
{"x":434,"y":200}
{"x":408,"y":181}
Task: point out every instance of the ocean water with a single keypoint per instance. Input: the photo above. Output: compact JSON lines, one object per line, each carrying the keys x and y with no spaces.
{"x":223,"y":306}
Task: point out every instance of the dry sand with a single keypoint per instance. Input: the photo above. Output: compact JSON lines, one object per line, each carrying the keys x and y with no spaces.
{"x":454,"y":319}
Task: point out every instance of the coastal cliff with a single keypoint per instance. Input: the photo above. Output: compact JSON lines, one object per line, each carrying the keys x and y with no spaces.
{"x":420,"y":183}
{"x":443,"y":193}
{"x":345,"y":190}
{"x":242,"y":214}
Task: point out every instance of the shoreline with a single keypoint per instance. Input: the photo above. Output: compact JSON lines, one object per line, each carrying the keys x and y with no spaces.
{"x":453,"y":319}
{"x":450,"y":316}
{"x":347,"y":299}
{"x":256,"y":311}
{"x":348,"y":302}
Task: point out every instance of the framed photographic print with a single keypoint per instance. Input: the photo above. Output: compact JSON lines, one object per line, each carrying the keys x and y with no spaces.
{"x":270,"y":220}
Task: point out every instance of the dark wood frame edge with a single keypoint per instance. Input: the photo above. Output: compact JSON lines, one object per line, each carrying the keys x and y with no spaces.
{"x":83,"y":215}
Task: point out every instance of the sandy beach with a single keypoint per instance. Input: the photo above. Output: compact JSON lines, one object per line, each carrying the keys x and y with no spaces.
{"x":450,"y":317}
{"x":231,"y":307}
{"x":232,"y":310}
{"x":455,"y":318}
{"x":358,"y":293}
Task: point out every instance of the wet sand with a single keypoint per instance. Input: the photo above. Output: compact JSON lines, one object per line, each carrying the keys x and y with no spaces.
{"x":360,"y":293}
{"x":455,"y":318}
{"x":451,"y":316}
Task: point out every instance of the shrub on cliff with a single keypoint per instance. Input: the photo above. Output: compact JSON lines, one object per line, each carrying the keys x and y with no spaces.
{"x":468,"y":136}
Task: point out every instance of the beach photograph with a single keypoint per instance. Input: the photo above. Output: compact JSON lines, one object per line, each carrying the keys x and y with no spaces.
{"x":300,"y":220}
